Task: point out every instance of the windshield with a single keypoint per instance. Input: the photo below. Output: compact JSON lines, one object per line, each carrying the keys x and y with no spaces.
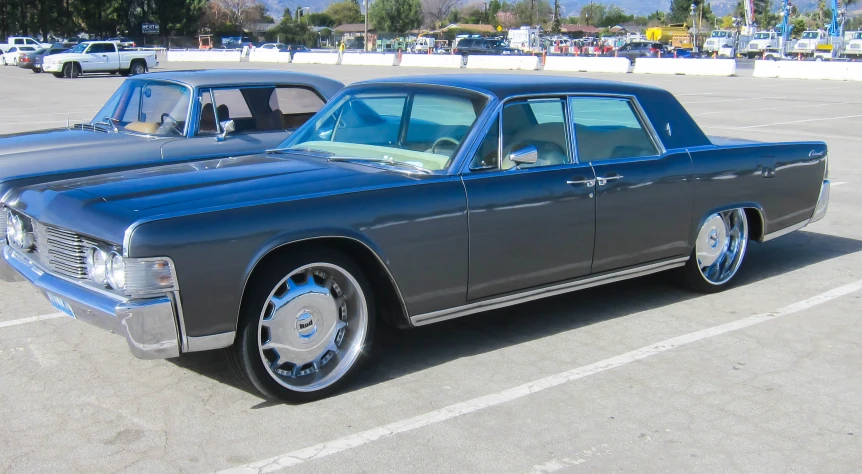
{"x":719,"y":34}
{"x":149,"y":107}
{"x":761,"y":36}
{"x":857,"y":36}
{"x":79,"y":48}
{"x":809,"y":35}
{"x":417,"y":126}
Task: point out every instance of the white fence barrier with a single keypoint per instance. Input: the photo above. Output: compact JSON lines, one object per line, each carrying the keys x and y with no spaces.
{"x":316,"y":58}
{"x":523,"y":63}
{"x":686,"y":66}
{"x":369,"y":59}
{"x":203,"y":55}
{"x":586,"y":64}
{"x":268,"y":56}
{"x":817,"y":70}
{"x":432,"y":60}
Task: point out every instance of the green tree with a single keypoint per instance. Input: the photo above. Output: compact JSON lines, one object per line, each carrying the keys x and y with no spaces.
{"x":395,"y":16}
{"x":797,"y":26}
{"x":494,"y":7}
{"x":345,"y":12}
{"x":615,"y":16}
{"x":555,"y":26}
{"x":320,"y":19}
{"x":592,"y":14}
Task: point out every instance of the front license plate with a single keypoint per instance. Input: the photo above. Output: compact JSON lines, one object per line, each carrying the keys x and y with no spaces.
{"x":58,"y":303}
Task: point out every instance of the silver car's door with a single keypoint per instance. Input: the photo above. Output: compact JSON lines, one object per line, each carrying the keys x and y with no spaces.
{"x":262,"y":116}
{"x":531,"y":224}
{"x":643,"y":192}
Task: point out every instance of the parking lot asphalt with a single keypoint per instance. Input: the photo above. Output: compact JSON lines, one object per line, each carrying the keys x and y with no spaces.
{"x":638,"y":376}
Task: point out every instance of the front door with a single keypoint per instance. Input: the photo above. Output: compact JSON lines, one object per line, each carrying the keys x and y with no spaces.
{"x":530,"y":224}
{"x":99,"y":57}
{"x":643,"y":194}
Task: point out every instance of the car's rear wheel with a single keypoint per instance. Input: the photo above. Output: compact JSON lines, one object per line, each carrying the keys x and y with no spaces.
{"x":71,"y":70}
{"x":718,"y":252}
{"x":138,"y":68}
{"x":305,"y":326}
{"x":37,"y":70}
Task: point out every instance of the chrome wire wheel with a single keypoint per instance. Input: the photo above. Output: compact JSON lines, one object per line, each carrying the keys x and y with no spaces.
{"x":312,"y":327}
{"x":721,"y":245}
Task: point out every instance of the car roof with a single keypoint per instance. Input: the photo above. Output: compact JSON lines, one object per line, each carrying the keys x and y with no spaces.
{"x":506,"y":85}
{"x":220,"y":77}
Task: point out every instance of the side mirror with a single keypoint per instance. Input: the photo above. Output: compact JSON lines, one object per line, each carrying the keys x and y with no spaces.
{"x":525,"y":156}
{"x":227,"y":127}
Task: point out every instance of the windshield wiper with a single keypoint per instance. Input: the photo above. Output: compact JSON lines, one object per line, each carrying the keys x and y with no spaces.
{"x":299,"y":150}
{"x":380,"y":160}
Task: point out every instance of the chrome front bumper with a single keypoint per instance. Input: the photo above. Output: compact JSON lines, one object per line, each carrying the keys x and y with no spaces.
{"x":822,"y":202}
{"x":149,"y":325}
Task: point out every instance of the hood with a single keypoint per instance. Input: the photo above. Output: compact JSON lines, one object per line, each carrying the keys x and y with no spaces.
{"x":61,"y":153}
{"x":103,"y":206}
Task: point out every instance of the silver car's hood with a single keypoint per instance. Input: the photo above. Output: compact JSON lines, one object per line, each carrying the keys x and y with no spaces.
{"x":66,"y":153}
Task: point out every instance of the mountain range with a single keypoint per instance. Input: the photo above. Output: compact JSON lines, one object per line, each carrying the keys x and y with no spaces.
{"x":570,"y":7}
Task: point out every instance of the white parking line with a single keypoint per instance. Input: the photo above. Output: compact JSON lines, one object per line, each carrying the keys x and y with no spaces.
{"x":821,"y":119}
{"x":838,"y":183}
{"x":345,"y":443}
{"x":32,"y":319}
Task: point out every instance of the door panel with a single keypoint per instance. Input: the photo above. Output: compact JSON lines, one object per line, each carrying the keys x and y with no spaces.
{"x":529,"y":228}
{"x":643,"y":210}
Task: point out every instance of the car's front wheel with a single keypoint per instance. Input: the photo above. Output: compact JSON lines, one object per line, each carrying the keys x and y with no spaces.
{"x":306,"y":325}
{"x":718,"y":252}
{"x":71,"y":70}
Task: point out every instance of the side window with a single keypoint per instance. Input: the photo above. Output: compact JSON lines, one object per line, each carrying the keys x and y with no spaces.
{"x":608,"y":128}
{"x":487,"y":156}
{"x":539,"y":123}
{"x":296,"y":104}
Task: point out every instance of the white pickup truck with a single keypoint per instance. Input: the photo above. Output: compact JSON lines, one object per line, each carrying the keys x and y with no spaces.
{"x":22,"y":41}
{"x":99,"y":56}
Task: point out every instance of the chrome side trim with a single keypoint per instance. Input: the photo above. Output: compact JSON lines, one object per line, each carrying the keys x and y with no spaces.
{"x":785,"y":231}
{"x":539,"y":293}
{"x":206,"y":343}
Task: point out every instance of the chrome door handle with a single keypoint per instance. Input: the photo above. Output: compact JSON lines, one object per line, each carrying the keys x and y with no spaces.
{"x":604,"y":181}
{"x":589,"y":182}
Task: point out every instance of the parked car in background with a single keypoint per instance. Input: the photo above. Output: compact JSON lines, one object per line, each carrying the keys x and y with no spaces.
{"x":11,"y":56}
{"x":638,"y":49}
{"x":33,"y":61}
{"x":14,"y":41}
{"x":382,"y":208}
{"x":468,"y":46}
{"x":681,"y":53}
{"x":270,"y":46}
{"x":98,"y":57}
{"x":122,"y":41}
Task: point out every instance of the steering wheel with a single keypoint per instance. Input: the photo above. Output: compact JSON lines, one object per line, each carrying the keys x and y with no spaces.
{"x":175,"y":125}
{"x":443,"y":140}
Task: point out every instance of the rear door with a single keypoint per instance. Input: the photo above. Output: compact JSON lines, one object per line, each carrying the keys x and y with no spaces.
{"x":643,"y":193}
{"x":530,"y":225}
{"x":263,"y":116}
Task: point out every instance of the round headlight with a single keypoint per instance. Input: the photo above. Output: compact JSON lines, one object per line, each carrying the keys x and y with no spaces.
{"x":116,"y":271}
{"x":97,"y":270}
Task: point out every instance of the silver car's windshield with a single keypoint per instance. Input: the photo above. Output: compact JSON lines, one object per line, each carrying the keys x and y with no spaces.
{"x":413,"y":125}
{"x":149,"y":107}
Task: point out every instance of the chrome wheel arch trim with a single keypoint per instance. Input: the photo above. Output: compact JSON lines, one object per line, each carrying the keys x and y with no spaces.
{"x":545,"y":292}
{"x":261,"y":256}
{"x":785,"y":231}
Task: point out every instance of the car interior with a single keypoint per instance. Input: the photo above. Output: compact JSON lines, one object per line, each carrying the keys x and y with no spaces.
{"x":259,"y":109}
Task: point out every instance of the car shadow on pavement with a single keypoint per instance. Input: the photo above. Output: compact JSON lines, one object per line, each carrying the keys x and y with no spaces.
{"x":398,"y":353}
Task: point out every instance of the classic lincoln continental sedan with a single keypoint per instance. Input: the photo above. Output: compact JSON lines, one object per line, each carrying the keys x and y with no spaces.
{"x":165,"y":118}
{"x":406,"y":201}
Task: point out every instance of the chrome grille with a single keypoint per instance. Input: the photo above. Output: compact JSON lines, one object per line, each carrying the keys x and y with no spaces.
{"x":61,"y":250}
